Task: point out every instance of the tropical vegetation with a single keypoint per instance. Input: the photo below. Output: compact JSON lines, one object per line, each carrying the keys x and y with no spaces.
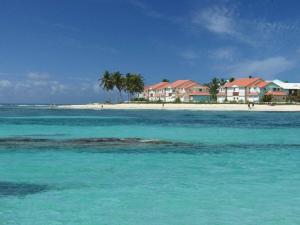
{"x":131,"y":83}
{"x":215,"y":84}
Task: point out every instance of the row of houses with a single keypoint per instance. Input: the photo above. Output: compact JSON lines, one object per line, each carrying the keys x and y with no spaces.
{"x":240,"y":90}
{"x":180,"y":90}
{"x":255,"y":90}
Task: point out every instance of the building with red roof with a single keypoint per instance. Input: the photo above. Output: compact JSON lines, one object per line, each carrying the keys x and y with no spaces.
{"x":155,"y":92}
{"x":247,"y":90}
{"x":170,"y":92}
{"x":241,"y":90}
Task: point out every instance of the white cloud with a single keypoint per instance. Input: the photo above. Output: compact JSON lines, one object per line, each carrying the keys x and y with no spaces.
{"x":266,"y":68}
{"x":39,"y":84}
{"x":57,"y":87}
{"x":189,"y":54}
{"x":96,"y":88}
{"x":215,"y":19}
{"x":227,"y":22}
{"x":5,"y":84}
{"x":146,"y":8}
{"x":42,"y":87}
{"x":223,"y":54}
{"x":37,"y":76}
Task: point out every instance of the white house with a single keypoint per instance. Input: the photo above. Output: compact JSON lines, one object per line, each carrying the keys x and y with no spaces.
{"x":169,"y":92}
{"x":240,"y":90}
{"x":289,"y":88}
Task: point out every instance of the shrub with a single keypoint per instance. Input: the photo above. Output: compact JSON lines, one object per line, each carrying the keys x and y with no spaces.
{"x":177,"y":100}
{"x":267,"y":98}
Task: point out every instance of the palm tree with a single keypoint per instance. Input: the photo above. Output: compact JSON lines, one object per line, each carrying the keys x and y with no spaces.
{"x":213,"y":87}
{"x":231,"y":79}
{"x":128,"y":85}
{"x":165,"y":80}
{"x":138,"y":83}
{"x":118,"y":82}
{"x":134,"y":83}
{"x":222,"y":81}
{"x":106,"y":82}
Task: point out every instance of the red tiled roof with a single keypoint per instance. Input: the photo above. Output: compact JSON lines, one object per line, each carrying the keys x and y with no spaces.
{"x":158,"y":86}
{"x":202,"y":86}
{"x":189,"y":84}
{"x":262,"y":84}
{"x":179,"y":83}
{"x":147,"y":87}
{"x":276,"y":93}
{"x":200,"y":93}
{"x":244,"y":82}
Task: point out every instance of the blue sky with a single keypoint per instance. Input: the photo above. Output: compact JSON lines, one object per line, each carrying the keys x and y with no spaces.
{"x":54,"y":51}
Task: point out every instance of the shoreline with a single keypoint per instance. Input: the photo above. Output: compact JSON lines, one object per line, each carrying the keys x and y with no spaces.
{"x":182,"y":106}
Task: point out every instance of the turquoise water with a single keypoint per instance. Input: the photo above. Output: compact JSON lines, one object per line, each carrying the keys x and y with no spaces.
{"x":148,"y":167}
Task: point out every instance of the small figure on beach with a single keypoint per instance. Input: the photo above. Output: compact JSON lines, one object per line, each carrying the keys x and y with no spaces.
{"x":252,"y":104}
{"x":249,"y":106}
{"x":163,"y":105}
{"x":102,"y":106}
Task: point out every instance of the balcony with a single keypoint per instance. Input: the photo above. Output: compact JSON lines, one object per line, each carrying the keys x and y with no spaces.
{"x":235,"y":93}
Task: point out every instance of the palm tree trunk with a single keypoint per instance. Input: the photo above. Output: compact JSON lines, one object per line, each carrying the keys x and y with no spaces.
{"x":120,"y":96}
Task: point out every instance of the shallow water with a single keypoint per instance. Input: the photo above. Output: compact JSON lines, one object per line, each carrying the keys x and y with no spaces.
{"x":148,"y":167}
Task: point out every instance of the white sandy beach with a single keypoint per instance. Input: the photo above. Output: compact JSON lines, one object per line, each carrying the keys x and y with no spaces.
{"x":197,"y":107}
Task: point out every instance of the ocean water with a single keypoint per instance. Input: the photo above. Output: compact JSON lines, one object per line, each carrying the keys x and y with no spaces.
{"x":85,"y":167}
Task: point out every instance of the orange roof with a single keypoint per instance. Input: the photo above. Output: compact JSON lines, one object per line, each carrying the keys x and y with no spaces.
{"x":178,"y":83}
{"x":244,"y":82}
{"x":262,"y":84}
{"x":202,"y":86}
{"x":183,"y":84}
{"x":158,"y":86}
{"x":200,"y":93}
{"x":147,"y":87}
{"x":276,"y":93}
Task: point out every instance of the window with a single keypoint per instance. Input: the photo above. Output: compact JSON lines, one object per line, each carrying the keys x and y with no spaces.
{"x":170,"y":94}
{"x":276,"y":89}
{"x":151,"y":95}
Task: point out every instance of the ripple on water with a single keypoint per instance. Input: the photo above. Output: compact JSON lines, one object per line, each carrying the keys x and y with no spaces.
{"x":21,"y":189}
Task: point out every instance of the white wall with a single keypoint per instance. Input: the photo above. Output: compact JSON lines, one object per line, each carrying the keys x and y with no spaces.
{"x":221,"y":99}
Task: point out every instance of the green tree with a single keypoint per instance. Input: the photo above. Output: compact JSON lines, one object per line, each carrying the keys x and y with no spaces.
{"x":118,"y":82}
{"x":128,"y":85}
{"x":214,"y":86}
{"x":177,"y":100}
{"x":267,"y":98}
{"x":106,"y":82}
{"x":137,"y":83}
{"x":134,"y":84}
{"x":165,"y":80}
{"x":222,"y":82}
{"x":231,"y":79}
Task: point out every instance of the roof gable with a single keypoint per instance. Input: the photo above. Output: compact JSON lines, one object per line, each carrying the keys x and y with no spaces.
{"x":158,"y":86}
{"x":287,"y":86}
{"x":244,"y":82}
{"x":184,"y":84}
